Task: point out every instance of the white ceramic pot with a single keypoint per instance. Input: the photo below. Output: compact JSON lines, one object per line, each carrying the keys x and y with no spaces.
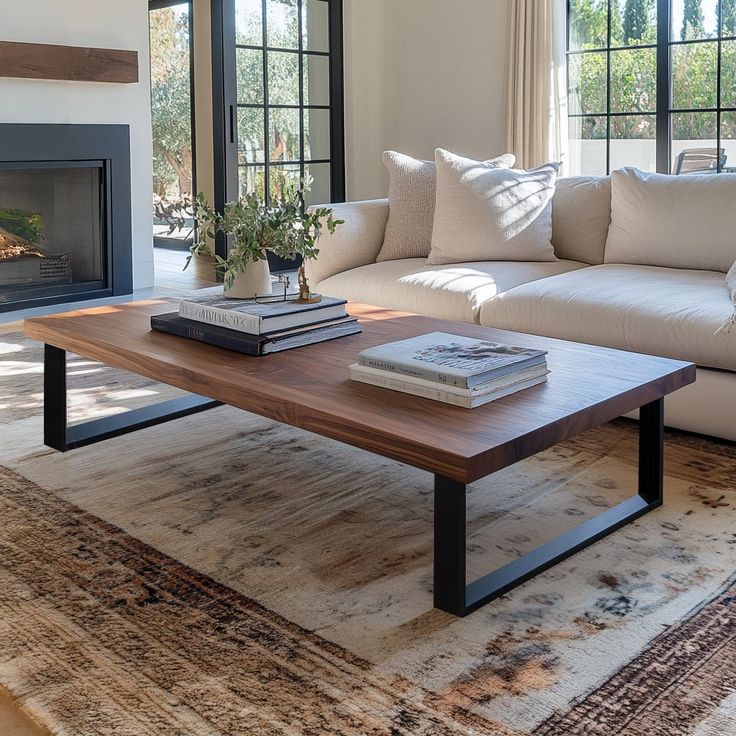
{"x":254,"y":281}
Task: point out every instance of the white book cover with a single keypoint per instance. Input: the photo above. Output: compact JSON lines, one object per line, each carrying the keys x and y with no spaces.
{"x":379,"y":376}
{"x":456,"y":360}
{"x":446,"y":397}
{"x":259,"y":317}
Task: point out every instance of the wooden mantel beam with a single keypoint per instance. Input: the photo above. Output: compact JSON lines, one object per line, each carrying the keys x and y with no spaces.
{"x":69,"y":63}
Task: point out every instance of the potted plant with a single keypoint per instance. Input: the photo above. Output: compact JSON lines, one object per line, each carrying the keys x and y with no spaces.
{"x":284,"y":226}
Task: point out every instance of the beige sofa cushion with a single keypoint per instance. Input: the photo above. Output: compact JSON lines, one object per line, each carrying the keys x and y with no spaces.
{"x":411,"y":195}
{"x":678,"y":221}
{"x":453,"y":292}
{"x":486,"y":213}
{"x":661,"y":311}
{"x":581,"y":215}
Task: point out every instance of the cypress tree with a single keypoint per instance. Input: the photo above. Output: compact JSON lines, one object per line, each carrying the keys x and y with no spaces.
{"x":636,"y":20}
{"x":693,"y":23}
{"x":728,"y":17}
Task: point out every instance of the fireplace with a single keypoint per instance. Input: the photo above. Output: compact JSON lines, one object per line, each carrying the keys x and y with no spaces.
{"x":65,"y":231}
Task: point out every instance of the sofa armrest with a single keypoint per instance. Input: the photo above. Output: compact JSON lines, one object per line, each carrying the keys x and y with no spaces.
{"x":355,"y":243}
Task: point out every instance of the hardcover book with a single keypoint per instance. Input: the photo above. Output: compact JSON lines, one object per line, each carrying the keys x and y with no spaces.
{"x":257,"y":317}
{"x":383,"y":378}
{"x":400,"y":383}
{"x":254,"y":345}
{"x":454,"y":360}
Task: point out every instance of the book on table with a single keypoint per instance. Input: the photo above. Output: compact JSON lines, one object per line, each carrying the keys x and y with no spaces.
{"x":454,"y":360}
{"x":260,"y":317}
{"x":255,"y":345}
{"x":453,"y":369}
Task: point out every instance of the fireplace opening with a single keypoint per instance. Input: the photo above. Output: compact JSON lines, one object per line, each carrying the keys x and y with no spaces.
{"x":65,"y":217}
{"x":51,"y":229}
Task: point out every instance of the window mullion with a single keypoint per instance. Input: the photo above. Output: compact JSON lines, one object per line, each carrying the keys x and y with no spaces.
{"x":663,"y":86}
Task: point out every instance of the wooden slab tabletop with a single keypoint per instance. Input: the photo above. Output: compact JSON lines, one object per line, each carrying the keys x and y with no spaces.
{"x":310,"y":387}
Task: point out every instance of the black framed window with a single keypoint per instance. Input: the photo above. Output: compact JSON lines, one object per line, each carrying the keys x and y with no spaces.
{"x":172,"y":97}
{"x":288,"y":111}
{"x":652,"y":84}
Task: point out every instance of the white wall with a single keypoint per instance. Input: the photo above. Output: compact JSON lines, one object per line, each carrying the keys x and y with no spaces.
{"x":422,"y":74}
{"x":121,"y":24}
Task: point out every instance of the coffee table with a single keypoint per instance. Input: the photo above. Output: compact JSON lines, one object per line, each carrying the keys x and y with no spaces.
{"x":310,"y":388}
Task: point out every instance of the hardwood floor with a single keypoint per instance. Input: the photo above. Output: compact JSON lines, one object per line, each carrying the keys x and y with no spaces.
{"x":170,"y":274}
{"x":13,"y":722}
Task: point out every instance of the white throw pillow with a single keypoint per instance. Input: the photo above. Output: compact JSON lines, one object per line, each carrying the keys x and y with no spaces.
{"x":411,"y":195}
{"x":484,"y":213}
{"x":672,"y":221}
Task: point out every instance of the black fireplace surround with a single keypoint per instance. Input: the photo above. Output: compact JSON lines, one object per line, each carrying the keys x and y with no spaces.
{"x":65,"y":213}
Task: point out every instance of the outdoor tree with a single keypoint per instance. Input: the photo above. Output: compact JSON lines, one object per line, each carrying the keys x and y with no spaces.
{"x":636,"y":23}
{"x":171,"y":103}
{"x":728,"y":15}
{"x":693,"y":23}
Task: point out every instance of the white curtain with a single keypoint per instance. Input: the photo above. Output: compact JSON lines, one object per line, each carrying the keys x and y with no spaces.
{"x":536,"y":126}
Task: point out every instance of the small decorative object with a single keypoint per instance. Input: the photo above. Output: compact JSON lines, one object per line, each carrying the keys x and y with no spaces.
{"x":284,"y":226}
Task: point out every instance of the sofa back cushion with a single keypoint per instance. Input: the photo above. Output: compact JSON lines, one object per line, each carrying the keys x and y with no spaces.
{"x":581,"y":215}
{"x":672,"y":221}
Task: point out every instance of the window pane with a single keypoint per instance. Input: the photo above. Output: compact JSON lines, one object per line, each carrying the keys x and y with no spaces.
{"x":252,"y":180}
{"x":316,"y":134}
{"x":634,"y":142}
{"x":316,"y":80}
{"x":249,"y":76}
{"x":320,"y":191}
{"x":728,"y":73}
{"x":728,"y":18}
{"x":282,"y":19}
{"x":283,"y":78}
{"x":634,"y":81}
{"x":588,"y":24}
{"x":316,"y":25}
{"x":248,"y":22}
{"x":284,"y":179}
{"x":588,"y":145}
{"x":587,"y":83}
{"x":251,"y":147}
{"x":693,"y":142}
{"x":692,"y":19}
{"x":284,"y":142}
{"x":694,"y":73}
{"x":728,"y":140}
{"x":633,"y":22}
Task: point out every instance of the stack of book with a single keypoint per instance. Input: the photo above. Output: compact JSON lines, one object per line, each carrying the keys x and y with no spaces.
{"x":257,"y":327}
{"x":457,"y":370}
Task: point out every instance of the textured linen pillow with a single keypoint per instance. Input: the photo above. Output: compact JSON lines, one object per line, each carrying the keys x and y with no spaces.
{"x":484,"y":213}
{"x":686,"y":221}
{"x":411,"y":195}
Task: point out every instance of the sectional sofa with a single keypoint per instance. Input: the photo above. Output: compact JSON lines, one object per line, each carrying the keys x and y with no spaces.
{"x":659,"y":309}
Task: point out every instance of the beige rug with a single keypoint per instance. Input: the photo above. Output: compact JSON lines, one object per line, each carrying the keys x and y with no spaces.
{"x":224,"y":574}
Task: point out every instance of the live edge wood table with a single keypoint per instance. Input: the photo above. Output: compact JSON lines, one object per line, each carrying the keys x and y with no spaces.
{"x":310,"y":388}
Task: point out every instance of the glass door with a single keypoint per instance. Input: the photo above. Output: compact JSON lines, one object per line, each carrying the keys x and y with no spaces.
{"x":170,"y":27}
{"x":278,"y":70}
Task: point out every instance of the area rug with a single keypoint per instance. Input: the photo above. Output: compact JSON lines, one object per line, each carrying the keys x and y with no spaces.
{"x":223,"y":574}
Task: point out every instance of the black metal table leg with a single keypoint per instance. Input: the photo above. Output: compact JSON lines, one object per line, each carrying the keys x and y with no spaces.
{"x":58,"y":435}
{"x":451,"y":592}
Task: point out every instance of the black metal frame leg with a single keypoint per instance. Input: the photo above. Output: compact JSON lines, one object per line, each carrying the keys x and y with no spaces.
{"x":60,"y":436}
{"x":451,"y":592}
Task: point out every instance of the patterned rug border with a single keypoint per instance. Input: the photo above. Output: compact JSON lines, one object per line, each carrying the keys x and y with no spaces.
{"x":683,"y":646}
{"x":213,"y":592}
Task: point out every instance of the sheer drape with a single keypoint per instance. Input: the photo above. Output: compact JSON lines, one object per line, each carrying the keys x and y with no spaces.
{"x":536,"y":127}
